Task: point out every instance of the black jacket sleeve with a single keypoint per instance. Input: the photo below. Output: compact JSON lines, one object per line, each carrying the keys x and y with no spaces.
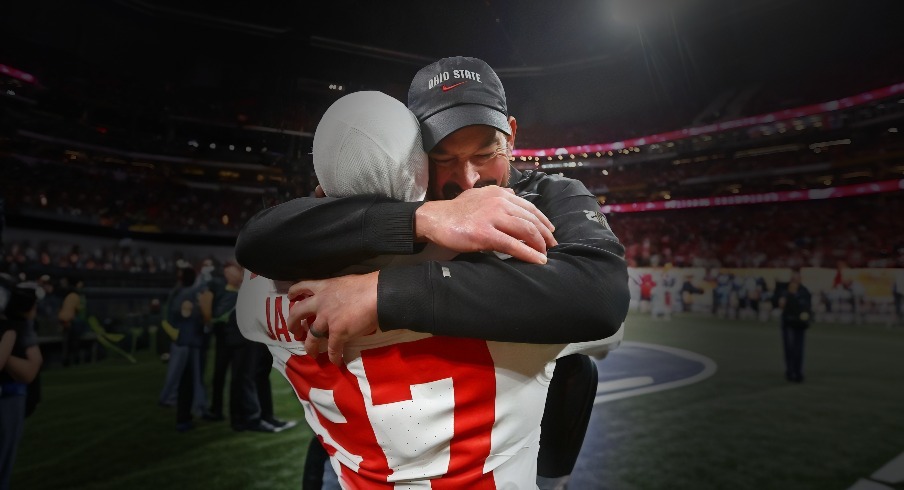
{"x":580,"y":294}
{"x":309,"y":238}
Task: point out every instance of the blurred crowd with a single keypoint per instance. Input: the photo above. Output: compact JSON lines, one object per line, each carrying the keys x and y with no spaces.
{"x":857,"y":230}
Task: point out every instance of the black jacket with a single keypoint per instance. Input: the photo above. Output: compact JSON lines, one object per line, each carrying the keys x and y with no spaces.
{"x":798,"y":309}
{"x":580,"y":294}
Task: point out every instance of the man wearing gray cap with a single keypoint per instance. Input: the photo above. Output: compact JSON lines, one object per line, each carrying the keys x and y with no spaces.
{"x":567,"y":284}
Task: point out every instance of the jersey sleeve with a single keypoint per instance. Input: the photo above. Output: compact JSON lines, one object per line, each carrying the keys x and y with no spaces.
{"x":261,"y":311}
{"x":309,"y":238}
{"x":580,"y":294}
{"x":597,"y":348}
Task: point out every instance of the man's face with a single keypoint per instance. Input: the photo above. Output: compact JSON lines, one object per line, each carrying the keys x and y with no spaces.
{"x":233,"y":274}
{"x":473,"y":156}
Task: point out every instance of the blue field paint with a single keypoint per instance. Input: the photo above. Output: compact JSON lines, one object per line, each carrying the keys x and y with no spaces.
{"x":637,"y":368}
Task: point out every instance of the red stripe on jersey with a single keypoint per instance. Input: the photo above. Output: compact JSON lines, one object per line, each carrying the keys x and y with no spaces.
{"x":355,"y":435}
{"x":391,"y":371}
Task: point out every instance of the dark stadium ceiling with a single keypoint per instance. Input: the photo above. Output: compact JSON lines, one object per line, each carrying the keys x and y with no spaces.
{"x":563,"y":62}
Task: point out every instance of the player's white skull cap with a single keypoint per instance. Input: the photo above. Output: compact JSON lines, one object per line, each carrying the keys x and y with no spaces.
{"x":369,"y":143}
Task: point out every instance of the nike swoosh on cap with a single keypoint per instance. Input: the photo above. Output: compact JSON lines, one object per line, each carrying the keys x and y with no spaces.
{"x":450,"y":87}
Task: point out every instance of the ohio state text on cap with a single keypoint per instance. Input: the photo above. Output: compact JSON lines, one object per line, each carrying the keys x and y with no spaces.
{"x":456,"y":92}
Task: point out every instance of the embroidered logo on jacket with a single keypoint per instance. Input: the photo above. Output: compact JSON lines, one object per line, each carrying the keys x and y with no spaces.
{"x":598,"y":217}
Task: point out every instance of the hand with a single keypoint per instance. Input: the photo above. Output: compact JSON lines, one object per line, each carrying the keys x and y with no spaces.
{"x":487,"y":218}
{"x":345,"y":308}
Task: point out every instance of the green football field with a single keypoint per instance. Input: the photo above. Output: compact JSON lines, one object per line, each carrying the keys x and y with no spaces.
{"x":99,"y":426}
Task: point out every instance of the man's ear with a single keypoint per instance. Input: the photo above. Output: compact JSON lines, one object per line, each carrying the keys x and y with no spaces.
{"x":514,"y":125}
{"x":318,"y":191}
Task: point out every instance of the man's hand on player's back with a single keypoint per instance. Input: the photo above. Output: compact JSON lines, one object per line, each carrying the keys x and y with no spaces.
{"x":345,"y":308}
{"x":487,"y":218}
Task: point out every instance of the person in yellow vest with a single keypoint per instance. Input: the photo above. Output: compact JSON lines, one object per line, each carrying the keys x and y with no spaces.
{"x":73,"y":317}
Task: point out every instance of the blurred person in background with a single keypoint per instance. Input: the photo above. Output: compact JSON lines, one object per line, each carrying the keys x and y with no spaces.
{"x":186,"y":311}
{"x":663,"y":298}
{"x":688,"y":291}
{"x":250,"y":393}
{"x":49,"y":304}
{"x":211,"y":278}
{"x":897,"y":290}
{"x":19,"y":367}
{"x":262,"y":364}
{"x":858,"y":299}
{"x":73,"y":317}
{"x":168,"y":395}
{"x":797,"y":312}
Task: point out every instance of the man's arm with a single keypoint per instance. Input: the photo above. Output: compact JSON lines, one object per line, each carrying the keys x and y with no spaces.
{"x":581,"y":294}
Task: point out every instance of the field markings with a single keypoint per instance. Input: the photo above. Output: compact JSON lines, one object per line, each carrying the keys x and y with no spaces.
{"x":891,"y":473}
{"x":639,"y":384}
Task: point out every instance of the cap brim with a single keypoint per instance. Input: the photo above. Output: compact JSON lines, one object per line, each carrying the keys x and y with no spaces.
{"x":444,"y":123}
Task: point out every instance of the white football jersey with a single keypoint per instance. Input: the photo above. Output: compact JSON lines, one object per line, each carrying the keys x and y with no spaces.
{"x":411,"y":410}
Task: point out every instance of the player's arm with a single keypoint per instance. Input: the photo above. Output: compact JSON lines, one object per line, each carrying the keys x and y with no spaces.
{"x":581,"y":294}
{"x":312,"y":237}
{"x":315,"y":237}
{"x":596,"y":348}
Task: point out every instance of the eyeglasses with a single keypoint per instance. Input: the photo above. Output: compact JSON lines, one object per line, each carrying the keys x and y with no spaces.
{"x":478,"y":160}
